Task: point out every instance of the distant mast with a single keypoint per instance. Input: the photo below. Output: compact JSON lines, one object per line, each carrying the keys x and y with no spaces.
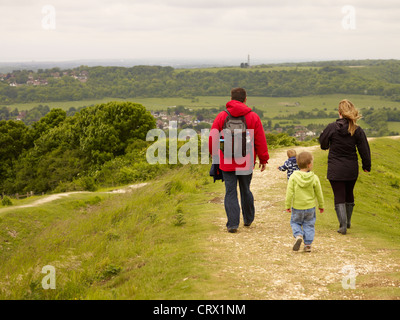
{"x":246,"y":64}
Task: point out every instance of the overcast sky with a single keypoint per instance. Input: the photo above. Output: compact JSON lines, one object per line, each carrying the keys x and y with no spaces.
{"x":55,"y":30}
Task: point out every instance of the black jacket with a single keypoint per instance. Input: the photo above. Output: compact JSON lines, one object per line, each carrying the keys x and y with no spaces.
{"x":342,"y":158}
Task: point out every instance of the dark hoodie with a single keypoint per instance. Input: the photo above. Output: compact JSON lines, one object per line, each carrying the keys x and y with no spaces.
{"x":342,"y":158}
{"x":253,"y":122}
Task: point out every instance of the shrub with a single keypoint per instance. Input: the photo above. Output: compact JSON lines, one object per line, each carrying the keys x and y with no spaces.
{"x":6,"y":201}
{"x":87,"y":183}
{"x":280,"y":140}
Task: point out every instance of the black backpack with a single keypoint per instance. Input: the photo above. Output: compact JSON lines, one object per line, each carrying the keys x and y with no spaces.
{"x":236,"y":127}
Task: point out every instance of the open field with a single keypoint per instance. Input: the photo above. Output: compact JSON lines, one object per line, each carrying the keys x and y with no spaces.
{"x":394,"y":126}
{"x":65,"y":105}
{"x":272,"y":106}
{"x":260,"y":68}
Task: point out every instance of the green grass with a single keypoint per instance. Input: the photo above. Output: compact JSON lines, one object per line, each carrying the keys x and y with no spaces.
{"x":272,"y":106}
{"x":377,"y":194}
{"x":394,"y":126}
{"x":153,"y":243}
{"x":65,"y":105}
{"x":148,"y":244}
{"x":376,"y":217}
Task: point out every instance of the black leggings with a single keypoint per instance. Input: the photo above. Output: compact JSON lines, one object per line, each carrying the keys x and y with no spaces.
{"x":343,"y":191}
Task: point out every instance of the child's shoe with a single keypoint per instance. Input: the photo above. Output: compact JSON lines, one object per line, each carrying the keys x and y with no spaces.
{"x":297,"y":244}
{"x":307,"y":248}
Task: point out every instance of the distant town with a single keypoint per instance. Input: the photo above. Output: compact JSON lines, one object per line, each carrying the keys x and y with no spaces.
{"x":28,"y":77}
{"x":184,"y":120}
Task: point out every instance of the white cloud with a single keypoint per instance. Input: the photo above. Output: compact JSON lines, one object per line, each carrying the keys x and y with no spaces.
{"x":223,"y":29}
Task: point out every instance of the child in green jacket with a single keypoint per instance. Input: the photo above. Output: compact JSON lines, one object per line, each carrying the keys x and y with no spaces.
{"x":303,"y":189}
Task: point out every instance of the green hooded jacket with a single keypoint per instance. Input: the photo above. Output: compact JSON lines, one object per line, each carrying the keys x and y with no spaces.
{"x":303,"y":189}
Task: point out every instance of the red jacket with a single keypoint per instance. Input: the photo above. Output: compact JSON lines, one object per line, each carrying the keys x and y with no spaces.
{"x":253,"y":122}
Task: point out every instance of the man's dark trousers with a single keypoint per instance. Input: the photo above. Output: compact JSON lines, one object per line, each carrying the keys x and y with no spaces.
{"x":231,"y":202}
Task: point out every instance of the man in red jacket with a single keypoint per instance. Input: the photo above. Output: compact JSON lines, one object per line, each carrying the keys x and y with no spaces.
{"x":239,"y":169}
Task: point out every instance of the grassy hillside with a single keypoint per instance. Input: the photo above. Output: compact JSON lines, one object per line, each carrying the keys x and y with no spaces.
{"x":148,"y":244}
{"x":376,"y":217}
{"x":154,"y":242}
{"x":377,"y":197}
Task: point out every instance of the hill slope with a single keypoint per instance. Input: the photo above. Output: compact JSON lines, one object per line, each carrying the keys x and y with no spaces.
{"x":167,"y":240}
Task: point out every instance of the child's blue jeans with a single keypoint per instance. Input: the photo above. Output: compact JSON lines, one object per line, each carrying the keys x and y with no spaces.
{"x":303,"y":224}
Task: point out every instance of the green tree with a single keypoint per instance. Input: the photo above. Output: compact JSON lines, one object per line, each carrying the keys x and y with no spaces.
{"x":4,"y":113}
{"x":53,"y":119}
{"x":107,"y":129}
{"x":13,"y":141}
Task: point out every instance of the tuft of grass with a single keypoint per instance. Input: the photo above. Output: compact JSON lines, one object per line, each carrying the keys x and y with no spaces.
{"x":179,"y":217}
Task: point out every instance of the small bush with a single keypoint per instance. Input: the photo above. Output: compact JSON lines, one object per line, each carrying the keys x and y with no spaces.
{"x":281,"y":140}
{"x":87,"y":183}
{"x":6,"y":201}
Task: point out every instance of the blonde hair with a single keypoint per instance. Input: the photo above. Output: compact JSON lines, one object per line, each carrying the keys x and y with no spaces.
{"x":291,"y":153}
{"x":349,"y":111}
{"x":304,"y":159}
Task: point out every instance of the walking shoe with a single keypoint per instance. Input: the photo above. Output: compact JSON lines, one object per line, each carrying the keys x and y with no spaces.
{"x":247,"y":224}
{"x":297,"y":244}
{"x":307,"y":248}
{"x":232,"y":230}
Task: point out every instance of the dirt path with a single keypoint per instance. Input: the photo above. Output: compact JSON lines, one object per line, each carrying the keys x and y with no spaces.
{"x":57,"y":196}
{"x":261,"y":263}
{"x":47,"y":199}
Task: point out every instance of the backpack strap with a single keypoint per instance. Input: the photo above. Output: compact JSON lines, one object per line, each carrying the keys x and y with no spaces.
{"x":229,"y":114}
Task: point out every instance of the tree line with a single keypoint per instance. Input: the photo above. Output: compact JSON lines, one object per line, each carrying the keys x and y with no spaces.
{"x":381,"y":78}
{"x":377,"y":121}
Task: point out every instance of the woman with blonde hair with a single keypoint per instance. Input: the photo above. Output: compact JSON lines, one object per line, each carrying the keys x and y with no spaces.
{"x":343,"y":138}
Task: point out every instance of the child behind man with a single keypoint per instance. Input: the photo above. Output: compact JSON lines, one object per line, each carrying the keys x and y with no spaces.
{"x":290,"y":165}
{"x":303,"y":189}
